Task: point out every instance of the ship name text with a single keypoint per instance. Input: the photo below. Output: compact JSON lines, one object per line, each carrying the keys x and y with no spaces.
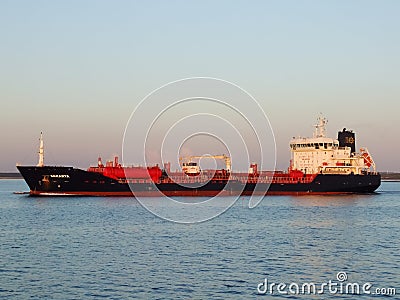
{"x":59,"y":176}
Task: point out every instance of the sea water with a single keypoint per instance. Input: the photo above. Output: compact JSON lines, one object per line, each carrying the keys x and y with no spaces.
{"x":106,"y":247}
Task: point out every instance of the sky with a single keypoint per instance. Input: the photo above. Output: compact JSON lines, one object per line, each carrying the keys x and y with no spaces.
{"x":76,"y":70}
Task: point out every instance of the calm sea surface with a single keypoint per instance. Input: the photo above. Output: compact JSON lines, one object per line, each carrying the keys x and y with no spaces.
{"x":89,"y":248}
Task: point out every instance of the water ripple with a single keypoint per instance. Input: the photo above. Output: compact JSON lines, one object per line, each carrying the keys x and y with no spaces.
{"x":85,"y":248}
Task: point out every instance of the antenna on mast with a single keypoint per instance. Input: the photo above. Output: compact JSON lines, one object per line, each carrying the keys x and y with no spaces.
{"x":41,"y":151}
{"x":320,"y":129}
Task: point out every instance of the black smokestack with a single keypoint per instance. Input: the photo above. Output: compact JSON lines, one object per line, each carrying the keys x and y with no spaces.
{"x":347,"y":138}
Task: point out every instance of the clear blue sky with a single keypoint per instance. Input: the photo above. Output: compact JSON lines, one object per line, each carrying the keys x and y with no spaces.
{"x":77,"y":69}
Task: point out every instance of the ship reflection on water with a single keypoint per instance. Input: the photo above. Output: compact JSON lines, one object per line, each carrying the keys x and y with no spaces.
{"x":332,"y":200}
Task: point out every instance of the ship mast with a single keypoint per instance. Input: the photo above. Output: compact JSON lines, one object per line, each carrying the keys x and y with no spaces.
{"x":320,"y":129}
{"x":41,"y":151}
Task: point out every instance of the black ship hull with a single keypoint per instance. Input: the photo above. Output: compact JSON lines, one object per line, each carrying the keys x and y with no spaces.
{"x":54,"y":180}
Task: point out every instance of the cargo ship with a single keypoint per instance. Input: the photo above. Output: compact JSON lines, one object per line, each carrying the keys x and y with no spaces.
{"x":318,"y":165}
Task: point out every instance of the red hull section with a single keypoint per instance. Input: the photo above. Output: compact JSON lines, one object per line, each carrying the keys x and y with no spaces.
{"x":118,"y":172}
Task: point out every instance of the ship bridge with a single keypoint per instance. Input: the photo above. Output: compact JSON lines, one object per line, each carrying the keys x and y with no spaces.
{"x":321,"y":154}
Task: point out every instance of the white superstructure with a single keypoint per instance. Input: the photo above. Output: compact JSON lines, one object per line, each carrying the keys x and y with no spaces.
{"x":321,"y":154}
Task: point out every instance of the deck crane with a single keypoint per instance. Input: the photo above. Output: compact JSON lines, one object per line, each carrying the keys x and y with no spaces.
{"x":192,"y":168}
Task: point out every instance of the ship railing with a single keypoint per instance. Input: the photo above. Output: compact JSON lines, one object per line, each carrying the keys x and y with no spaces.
{"x":195,"y":179}
{"x":135,"y":180}
{"x":186,"y":179}
{"x":278,"y":180}
{"x":243,"y":179}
